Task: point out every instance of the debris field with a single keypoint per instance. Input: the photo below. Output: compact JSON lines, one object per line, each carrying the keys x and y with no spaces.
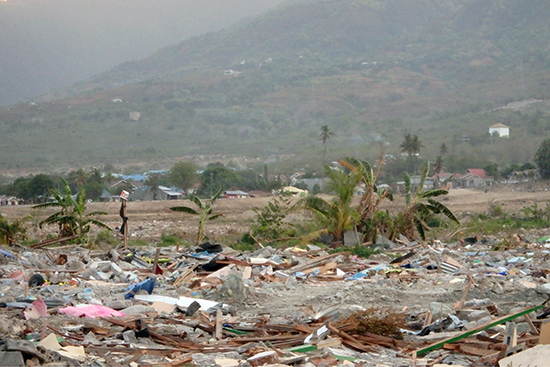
{"x":466,"y":303}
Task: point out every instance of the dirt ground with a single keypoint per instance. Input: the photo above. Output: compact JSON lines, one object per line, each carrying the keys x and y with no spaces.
{"x":148,"y":220}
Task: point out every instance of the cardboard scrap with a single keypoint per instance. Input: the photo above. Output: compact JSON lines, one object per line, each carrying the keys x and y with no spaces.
{"x":163,"y":307}
{"x":50,"y":343}
{"x":544,"y":333}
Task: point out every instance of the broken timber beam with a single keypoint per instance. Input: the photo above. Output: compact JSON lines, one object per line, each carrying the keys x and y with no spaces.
{"x":350,"y":341}
{"x":321,"y":260}
{"x":52,"y":242}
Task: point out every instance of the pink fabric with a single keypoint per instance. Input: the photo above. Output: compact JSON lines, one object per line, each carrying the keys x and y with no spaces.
{"x":91,"y":311}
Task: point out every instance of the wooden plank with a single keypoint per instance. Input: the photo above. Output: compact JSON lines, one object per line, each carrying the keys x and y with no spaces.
{"x":532,"y":326}
{"x":53,"y":242}
{"x":473,"y":351}
{"x":322,"y":269}
{"x":350,"y":341}
{"x":189,"y":273}
{"x":219,"y":324}
{"x":316,"y":262}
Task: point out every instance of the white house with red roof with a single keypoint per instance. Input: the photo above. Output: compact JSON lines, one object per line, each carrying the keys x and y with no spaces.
{"x":475,"y":177}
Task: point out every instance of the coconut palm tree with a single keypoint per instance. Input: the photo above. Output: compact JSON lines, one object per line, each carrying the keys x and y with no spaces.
{"x":204,"y":212}
{"x":420,"y":207}
{"x":438,"y":167}
{"x":443,"y":150}
{"x":324,"y":137}
{"x":411,"y":145}
{"x":72,"y":218}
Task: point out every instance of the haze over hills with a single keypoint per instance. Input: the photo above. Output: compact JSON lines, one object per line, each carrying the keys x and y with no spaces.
{"x":52,"y":43}
{"x":371,"y":70}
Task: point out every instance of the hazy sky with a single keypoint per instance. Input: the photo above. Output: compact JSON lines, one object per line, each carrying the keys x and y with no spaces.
{"x":52,"y":43}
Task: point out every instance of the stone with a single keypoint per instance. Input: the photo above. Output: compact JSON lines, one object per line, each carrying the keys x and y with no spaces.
{"x":440,"y":310}
{"x":11,"y":359}
{"x":232,"y":290}
{"x":475,"y":315}
{"x":137,"y":310}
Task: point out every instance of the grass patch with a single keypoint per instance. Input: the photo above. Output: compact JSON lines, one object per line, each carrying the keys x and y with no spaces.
{"x":106,"y":237}
{"x":488,"y":225}
{"x":172,"y":240}
{"x":138,"y":243}
{"x":243,"y":247}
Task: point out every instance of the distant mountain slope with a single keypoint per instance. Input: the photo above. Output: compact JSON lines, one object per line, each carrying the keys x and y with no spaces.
{"x":371,"y":70}
{"x":52,"y":43}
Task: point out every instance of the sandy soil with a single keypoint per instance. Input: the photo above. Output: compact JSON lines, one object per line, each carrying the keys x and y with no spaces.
{"x":150,"y":219}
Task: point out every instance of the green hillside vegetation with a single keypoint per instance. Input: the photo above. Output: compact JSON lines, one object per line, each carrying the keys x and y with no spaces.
{"x":372,"y":71}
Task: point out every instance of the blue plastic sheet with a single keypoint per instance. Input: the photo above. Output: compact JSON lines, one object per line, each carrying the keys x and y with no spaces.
{"x":147,"y":285}
{"x":361,"y":274}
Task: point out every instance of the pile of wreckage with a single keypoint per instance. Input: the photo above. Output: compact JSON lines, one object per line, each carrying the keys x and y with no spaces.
{"x":419,"y":304}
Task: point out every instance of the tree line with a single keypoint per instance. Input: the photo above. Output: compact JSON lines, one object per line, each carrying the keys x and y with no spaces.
{"x":183,"y":175}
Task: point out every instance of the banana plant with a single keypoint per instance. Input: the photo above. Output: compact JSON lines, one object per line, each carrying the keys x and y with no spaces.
{"x":203,"y":211}
{"x":420,"y":206}
{"x":72,"y":218}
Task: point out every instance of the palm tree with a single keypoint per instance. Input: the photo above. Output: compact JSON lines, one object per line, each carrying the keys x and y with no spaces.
{"x":420,"y":207}
{"x":72,"y":218}
{"x":336,"y":216}
{"x":324,"y":137}
{"x":78,"y":178}
{"x":204,"y":212}
{"x":438,"y":167}
{"x":443,"y":150}
{"x":153,"y":182}
{"x":411,"y":145}
{"x":13,"y":232}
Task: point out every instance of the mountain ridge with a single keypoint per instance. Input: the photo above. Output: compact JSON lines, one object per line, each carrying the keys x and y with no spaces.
{"x":266,"y":86}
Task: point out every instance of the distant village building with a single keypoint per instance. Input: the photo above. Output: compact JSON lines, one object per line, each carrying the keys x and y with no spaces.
{"x":311,"y":182}
{"x":235,"y":194}
{"x":499,"y":129}
{"x":475,"y":177}
{"x":294,"y":191}
{"x":523,"y":176}
{"x":161,"y":193}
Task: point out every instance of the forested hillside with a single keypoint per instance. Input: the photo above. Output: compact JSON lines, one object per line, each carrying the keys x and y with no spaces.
{"x":370,"y":70}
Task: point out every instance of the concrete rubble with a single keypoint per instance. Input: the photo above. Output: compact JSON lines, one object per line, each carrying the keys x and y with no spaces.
{"x":469,"y":303}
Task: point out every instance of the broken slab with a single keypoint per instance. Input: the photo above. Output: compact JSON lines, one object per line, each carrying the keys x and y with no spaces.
{"x":536,"y":356}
